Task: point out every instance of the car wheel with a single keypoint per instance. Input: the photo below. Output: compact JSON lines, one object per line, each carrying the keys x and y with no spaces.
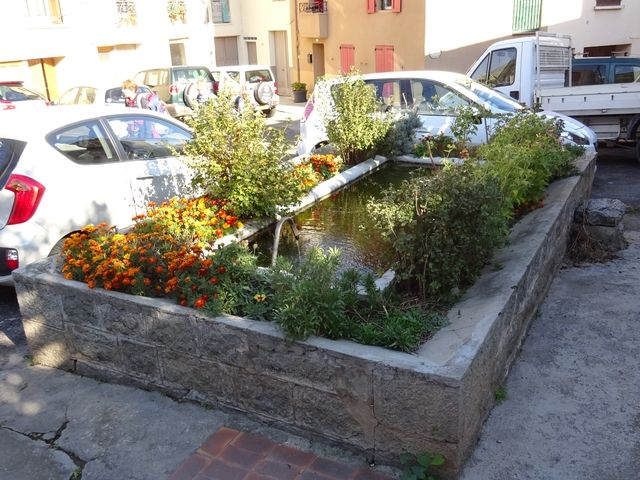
{"x":190,"y":95}
{"x":263,"y":93}
{"x":270,"y":113}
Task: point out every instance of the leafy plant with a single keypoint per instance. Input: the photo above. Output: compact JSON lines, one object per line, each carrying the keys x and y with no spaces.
{"x":440,"y":145}
{"x":298,"y":86}
{"x":401,"y":136}
{"x":355,"y":125}
{"x":176,"y":9}
{"x":235,"y":156}
{"x":443,"y":228}
{"x":420,"y":467}
{"x":525,"y":153}
{"x":500,"y":395}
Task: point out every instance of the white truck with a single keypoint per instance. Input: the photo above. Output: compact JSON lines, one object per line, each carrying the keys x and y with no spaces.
{"x":536,"y":70}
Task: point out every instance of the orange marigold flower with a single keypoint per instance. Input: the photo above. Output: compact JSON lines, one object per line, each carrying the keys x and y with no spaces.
{"x":147,"y":281}
{"x":213,"y":280}
{"x":221,"y":269}
{"x":200,"y":303}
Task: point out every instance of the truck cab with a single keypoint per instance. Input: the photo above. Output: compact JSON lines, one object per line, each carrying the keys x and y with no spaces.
{"x":509,"y":66}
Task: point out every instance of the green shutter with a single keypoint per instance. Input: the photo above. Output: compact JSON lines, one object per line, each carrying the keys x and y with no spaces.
{"x":526,"y":15}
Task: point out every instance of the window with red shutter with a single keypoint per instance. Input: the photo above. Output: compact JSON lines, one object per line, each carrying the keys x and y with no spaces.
{"x":396,"y":6}
{"x":347,"y":58}
{"x":371,"y":6}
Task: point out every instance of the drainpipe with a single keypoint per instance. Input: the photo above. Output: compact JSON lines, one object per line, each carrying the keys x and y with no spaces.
{"x":296,"y":8}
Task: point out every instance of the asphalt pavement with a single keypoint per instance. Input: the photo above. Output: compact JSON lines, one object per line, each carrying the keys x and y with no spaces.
{"x":572,"y":406}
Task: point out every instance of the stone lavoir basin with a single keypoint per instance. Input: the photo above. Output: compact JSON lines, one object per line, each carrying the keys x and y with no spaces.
{"x":368,"y":399}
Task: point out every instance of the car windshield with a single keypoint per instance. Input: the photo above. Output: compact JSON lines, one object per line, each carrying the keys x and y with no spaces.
{"x":16,"y":93}
{"x":491,"y":99}
{"x":255,"y":76}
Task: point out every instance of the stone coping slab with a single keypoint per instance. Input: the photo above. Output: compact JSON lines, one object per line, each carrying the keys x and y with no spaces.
{"x":377,"y":401}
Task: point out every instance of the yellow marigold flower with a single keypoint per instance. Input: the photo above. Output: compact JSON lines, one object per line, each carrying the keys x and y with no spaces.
{"x":260,"y":297}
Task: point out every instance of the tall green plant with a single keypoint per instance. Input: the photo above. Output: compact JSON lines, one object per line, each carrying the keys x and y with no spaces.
{"x":525,"y":153}
{"x":355,"y":125}
{"x":235,"y":156}
{"x":444,"y":229}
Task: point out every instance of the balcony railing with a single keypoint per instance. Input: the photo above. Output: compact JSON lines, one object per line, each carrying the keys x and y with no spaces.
{"x":319,"y":6}
{"x":127,"y":15}
{"x":313,"y":19}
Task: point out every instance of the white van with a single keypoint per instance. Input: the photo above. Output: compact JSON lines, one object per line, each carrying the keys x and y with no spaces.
{"x":434,"y":96}
{"x":255,"y":81}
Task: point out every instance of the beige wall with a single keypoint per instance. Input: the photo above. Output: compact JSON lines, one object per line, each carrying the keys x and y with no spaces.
{"x":590,"y":27}
{"x":349,"y":23}
{"x":458,"y":31}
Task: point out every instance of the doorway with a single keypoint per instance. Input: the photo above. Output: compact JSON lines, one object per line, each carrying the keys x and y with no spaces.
{"x":282,"y":62}
{"x":318,"y":60}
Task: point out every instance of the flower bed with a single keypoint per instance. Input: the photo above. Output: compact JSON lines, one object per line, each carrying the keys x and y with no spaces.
{"x":368,"y":398}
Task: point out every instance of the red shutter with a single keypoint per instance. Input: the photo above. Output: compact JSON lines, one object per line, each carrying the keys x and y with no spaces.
{"x":371,"y":6}
{"x":384,"y":58}
{"x":347,"y":58}
{"x":395,"y":6}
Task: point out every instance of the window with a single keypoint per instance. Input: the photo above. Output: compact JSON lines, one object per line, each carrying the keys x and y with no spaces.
{"x":626,"y":73}
{"x":608,"y":3}
{"x":347,"y":58}
{"x":588,"y":74}
{"x":220,"y":11}
{"x":44,"y":8}
{"x":497,"y":69}
{"x":383,"y":5}
{"x":384,"y":58}
{"x":85,"y":144}
{"x":526,"y":16}
{"x":143,"y":137}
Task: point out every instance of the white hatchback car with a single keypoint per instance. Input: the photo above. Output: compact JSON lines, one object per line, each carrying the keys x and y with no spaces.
{"x":256,"y":82}
{"x":435,"y":96}
{"x":73,"y":166}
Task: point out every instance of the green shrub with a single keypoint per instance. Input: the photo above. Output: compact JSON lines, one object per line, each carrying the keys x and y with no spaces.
{"x":400,"y":138}
{"x":355,"y":125}
{"x":443,"y":227}
{"x":235,"y":156}
{"x":525,"y":153}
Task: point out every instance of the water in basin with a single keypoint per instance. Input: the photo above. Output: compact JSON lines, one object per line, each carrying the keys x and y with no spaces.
{"x":341,"y":221}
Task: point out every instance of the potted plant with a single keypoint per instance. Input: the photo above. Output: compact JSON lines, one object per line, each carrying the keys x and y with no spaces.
{"x":299,"y":92}
{"x":176,"y":9}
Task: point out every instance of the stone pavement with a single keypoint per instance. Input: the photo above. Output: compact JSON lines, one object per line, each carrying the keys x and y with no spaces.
{"x":230,"y":455}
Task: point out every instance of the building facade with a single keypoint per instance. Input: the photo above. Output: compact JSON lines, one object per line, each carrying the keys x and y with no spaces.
{"x":52,"y":45}
{"x":333,"y":36}
{"x":458,"y":31}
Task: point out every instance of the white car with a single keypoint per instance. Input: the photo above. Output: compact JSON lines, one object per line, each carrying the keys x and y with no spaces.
{"x":255,"y":82}
{"x":15,"y":95}
{"x":434,"y":96}
{"x":92,"y":95}
{"x":73,"y":166}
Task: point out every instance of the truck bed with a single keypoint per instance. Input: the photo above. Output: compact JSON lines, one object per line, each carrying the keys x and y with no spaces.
{"x":589,"y":100}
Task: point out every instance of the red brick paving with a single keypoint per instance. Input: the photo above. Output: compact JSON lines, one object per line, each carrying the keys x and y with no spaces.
{"x":232,"y":455}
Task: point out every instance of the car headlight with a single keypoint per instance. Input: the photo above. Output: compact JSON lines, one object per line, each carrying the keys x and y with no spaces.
{"x":575,"y":138}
